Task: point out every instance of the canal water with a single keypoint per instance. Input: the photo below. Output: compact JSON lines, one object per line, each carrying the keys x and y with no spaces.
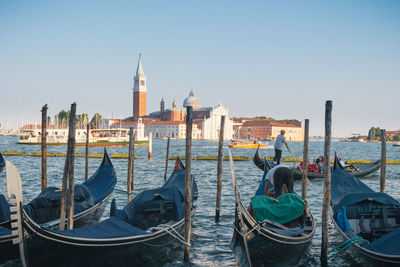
{"x":210,"y":242}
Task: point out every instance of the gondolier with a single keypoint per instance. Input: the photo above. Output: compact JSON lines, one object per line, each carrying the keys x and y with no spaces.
{"x":280,"y":140}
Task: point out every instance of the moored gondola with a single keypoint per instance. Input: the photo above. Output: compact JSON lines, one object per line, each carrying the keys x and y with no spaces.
{"x":90,"y":200}
{"x":368,"y":221}
{"x":268,"y":243}
{"x":357,"y":170}
{"x":148,"y":229}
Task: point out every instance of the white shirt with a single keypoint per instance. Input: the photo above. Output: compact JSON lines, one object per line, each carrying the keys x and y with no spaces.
{"x":280,"y":140}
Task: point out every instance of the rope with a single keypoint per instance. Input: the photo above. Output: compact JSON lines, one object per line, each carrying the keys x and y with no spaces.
{"x":177,"y":235}
{"x":119,"y":191}
{"x":351,"y":241}
{"x":49,"y":226}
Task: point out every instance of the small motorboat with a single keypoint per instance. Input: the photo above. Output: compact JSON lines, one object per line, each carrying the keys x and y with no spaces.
{"x":247,"y":144}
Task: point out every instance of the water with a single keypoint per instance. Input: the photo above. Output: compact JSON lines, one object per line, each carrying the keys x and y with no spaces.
{"x":210,"y":242}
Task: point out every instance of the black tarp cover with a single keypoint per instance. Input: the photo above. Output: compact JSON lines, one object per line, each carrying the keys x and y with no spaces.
{"x":121,"y":223}
{"x":347,"y":191}
{"x":343,"y":183}
{"x":2,"y":163}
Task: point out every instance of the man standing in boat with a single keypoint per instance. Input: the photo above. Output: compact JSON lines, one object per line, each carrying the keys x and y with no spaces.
{"x":280,"y":140}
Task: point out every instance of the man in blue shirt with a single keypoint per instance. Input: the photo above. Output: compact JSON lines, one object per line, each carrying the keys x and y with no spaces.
{"x":280,"y":140}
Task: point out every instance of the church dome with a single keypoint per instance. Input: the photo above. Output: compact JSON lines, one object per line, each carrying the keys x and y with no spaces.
{"x":191,"y":100}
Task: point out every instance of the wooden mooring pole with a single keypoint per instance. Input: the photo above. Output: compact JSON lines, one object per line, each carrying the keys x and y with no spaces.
{"x":87,"y":153}
{"x":188,"y":182}
{"x":68,"y":175}
{"x":166,"y":160}
{"x":305,"y":158}
{"x":383,"y":160}
{"x":219,"y":168}
{"x":327,"y":183}
{"x":150,"y":145}
{"x":131,"y":158}
{"x":44,"y":147}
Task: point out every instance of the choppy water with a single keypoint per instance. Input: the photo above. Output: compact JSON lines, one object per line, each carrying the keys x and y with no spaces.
{"x":210,"y":242}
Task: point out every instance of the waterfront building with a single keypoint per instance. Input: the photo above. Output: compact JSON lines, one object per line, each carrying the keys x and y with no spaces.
{"x":267,"y":129}
{"x":139,"y":91}
{"x":206,"y":119}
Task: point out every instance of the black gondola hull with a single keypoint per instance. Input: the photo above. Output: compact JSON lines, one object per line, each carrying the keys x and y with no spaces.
{"x":361,"y":169}
{"x":9,"y":251}
{"x":366,"y":257}
{"x":42,"y":250}
{"x":267,"y":248}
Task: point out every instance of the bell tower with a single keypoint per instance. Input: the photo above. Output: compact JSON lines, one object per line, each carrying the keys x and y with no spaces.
{"x":139,"y":91}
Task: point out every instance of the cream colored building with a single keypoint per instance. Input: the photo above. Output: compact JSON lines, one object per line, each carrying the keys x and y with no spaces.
{"x":291,"y":133}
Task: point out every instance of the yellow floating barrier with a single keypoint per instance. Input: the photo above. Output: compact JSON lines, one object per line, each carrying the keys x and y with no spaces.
{"x":65,"y":154}
{"x":39,"y":154}
{"x":90,"y":155}
{"x":121,"y":156}
{"x":182,"y":158}
{"x":14,"y":153}
{"x":238,"y":158}
{"x":206,"y":158}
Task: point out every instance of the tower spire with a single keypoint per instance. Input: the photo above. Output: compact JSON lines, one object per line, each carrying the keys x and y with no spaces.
{"x":139,"y":69}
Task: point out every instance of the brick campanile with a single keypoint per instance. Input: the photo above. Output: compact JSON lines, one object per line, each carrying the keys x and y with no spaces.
{"x":139,"y":91}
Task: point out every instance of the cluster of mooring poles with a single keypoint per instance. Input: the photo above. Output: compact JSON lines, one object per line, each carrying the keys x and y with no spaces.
{"x":68,"y":174}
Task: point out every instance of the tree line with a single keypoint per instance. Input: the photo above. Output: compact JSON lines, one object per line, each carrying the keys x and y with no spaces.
{"x":61,"y":120}
{"x":375,"y":134}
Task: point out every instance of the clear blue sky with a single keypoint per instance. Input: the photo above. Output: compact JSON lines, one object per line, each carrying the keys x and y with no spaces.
{"x":281,"y":59}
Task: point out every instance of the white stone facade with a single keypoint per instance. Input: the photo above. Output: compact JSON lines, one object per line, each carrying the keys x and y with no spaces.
{"x":211,"y":126}
{"x":174,"y":130}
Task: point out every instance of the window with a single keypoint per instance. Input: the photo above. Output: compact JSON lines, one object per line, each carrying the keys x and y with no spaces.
{"x":142,"y":83}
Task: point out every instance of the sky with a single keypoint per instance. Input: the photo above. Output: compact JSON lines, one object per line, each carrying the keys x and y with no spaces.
{"x":280,"y":59}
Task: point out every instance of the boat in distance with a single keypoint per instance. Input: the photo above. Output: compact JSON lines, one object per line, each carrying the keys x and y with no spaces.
{"x":148,"y":229}
{"x":97,"y":137}
{"x":269,"y":243}
{"x":356,"y":170}
{"x":90,"y":200}
{"x":246,"y":144}
{"x":368,"y":221}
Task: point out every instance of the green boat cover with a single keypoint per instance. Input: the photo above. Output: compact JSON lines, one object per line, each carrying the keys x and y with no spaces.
{"x":289,"y":207}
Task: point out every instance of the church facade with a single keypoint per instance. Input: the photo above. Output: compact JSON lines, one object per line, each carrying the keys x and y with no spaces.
{"x":170,"y":122}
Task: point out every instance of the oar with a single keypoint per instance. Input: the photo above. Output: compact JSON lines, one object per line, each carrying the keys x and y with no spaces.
{"x":307,"y":180}
{"x":238,"y":211}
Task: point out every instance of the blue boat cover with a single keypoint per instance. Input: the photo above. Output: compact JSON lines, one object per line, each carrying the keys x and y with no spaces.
{"x":387,"y":244}
{"x":4,"y":231}
{"x":351,"y":197}
{"x":343,"y":183}
{"x":4,"y":209}
{"x":2,"y":163}
{"x":103,"y":181}
{"x":172,"y":191}
{"x":122,"y":222}
{"x":46,"y":206}
{"x":113,"y":227}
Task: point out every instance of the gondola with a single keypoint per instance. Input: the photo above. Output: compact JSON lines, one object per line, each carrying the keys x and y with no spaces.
{"x":90,"y":200}
{"x":149,"y":228}
{"x":368,"y":221}
{"x":357,"y":170}
{"x":267,"y":243}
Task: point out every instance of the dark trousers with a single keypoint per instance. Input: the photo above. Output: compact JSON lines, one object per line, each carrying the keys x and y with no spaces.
{"x":278,"y":155}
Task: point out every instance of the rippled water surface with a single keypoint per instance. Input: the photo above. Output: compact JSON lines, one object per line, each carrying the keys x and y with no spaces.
{"x":210,"y":242}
